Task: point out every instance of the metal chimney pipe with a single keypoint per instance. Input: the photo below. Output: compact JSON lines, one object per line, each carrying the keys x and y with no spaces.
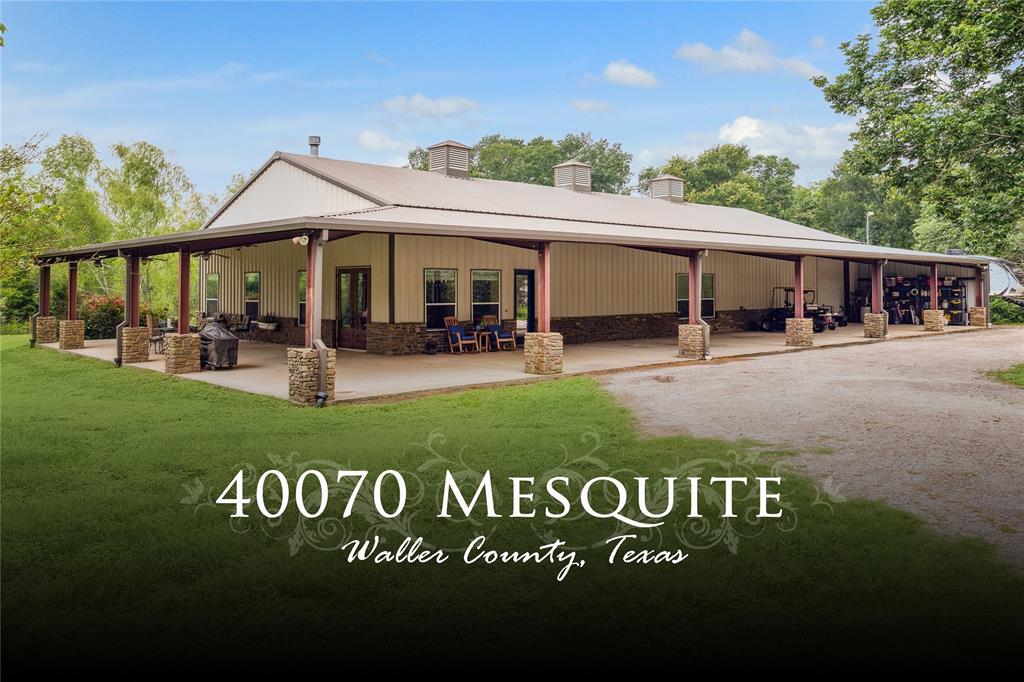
{"x":314,"y":145}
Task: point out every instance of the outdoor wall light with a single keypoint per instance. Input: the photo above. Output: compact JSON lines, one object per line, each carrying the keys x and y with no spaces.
{"x":301,"y":241}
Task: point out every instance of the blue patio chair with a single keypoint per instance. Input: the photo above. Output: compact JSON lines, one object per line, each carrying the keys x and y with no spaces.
{"x":498,"y":334}
{"x":459,"y":338}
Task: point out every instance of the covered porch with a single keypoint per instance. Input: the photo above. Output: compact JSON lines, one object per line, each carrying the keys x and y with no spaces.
{"x":263,"y":367}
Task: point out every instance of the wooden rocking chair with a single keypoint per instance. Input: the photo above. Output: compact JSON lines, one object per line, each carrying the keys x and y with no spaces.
{"x":498,"y":334}
{"x":459,"y":337}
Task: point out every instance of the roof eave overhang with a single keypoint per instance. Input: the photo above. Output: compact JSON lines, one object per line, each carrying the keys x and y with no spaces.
{"x":256,"y":233}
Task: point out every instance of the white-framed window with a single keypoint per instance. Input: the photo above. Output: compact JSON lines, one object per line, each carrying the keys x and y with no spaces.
{"x":212,"y":293}
{"x":301,"y":283}
{"x":252,"y":294}
{"x":486,"y":286}
{"x":439,"y":295}
{"x":707,"y":300}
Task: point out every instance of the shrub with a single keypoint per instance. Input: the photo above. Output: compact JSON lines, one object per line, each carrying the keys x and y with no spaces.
{"x":102,"y":314}
{"x":1004,"y":312}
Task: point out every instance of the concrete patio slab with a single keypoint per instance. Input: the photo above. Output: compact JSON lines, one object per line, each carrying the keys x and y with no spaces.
{"x":263,"y":367}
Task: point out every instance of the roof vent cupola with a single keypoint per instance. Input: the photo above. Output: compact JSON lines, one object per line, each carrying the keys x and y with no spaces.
{"x":573,"y":174}
{"x":450,"y":158}
{"x":314,"y":145}
{"x":667,"y":187}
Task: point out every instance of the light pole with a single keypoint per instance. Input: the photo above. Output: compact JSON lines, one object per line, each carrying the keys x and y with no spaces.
{"x":867,"y":226}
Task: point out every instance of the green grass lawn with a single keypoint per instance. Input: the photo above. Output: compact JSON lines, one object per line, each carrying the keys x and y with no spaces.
{"x":1014,"y":375}
{"x":102,"y":559}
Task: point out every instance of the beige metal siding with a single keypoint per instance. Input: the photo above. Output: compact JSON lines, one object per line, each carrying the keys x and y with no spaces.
{"x":413,"y":254}
{"x":360,"y":250}
{"x":284,"y":191}
{"x":829,"y":281}
{"x":598,"y":279}
{"x":587,"y":279}
{"x":279,"y":264}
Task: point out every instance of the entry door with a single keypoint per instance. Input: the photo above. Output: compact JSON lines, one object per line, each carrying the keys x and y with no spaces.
{"x":353,"y":307}
{"x":526,"y":316}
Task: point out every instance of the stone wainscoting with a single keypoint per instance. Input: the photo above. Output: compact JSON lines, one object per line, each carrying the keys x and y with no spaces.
{"x":410,"y":338}
{"x":615,"y":327}
{"x":403,"y":338}
{"x":288,"y":332}
{"x":726,"y":321}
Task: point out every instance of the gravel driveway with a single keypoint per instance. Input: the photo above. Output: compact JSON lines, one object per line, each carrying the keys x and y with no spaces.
{"x":914,"y":423}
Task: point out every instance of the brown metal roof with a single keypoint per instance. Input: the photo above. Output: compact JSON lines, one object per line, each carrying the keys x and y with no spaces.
{"x":420,"y":202}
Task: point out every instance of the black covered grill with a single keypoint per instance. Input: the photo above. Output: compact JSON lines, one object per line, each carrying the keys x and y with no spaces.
{"x":218,"y":348}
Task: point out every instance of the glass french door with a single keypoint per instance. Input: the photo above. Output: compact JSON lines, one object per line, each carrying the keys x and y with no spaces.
{"x":353,"y":307}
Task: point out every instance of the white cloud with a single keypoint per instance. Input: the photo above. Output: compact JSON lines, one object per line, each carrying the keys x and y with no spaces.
{"x":748,"y":53}
{"x":819,"y":42}
{"x":590,"y":105}
{"x":816,"y":149}
{"x":421,"y":105}
{"x":810,"y":146}
{"x":370,"y":139}
{"x":624,"y":73}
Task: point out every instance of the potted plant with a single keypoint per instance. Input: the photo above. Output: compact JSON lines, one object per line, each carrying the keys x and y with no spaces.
{"x":268,"y":323}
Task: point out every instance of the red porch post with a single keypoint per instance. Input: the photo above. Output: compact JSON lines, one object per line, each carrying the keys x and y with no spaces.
{"x":184,"y":282}
{"x":696,"y":277}
{"x":876,"y":287}
{"x":979,"y":300}
{"x":934,"y":304}
{"x":73,"y":290}
{"x":544,"y":287}
{"x":131,"y":304}
{"x":44,"y":291}
{"x":798,"y":287}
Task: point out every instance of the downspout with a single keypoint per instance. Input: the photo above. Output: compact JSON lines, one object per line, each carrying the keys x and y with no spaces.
{"x":704,"y":326}
{"x":316,"y":265}
{"x":127,"y":302}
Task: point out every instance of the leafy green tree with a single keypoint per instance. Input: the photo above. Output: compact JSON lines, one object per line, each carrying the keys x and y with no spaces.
{"x":27,"y":225}
{"x":496,"y":157}
{"x":844,"y":199}
{"x":939,"y":97}
{"x":729,"y":175}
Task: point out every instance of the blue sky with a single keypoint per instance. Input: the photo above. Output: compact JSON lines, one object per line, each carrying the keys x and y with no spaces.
{"x":223,"y":85}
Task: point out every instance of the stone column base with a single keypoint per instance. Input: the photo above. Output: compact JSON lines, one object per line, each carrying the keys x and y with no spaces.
{"x":978,"y":316}
{"x":72,"y":334}
{"x":134,"y":344}
{"x":876,"y":325}
{"x":181,"y":353}
{"x":693,"y":341}
{"x":934,"y":320}
{"x":304,"y":374}
{"x":542,"y":352}
{"x":799,"y":331}
{"x":46,"y":329}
